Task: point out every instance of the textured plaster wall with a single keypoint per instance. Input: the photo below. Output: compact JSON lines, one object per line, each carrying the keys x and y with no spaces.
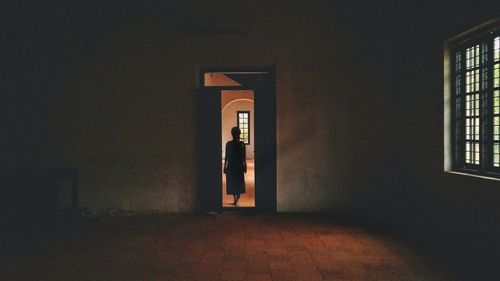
{"x":111,"y":90}
{"x":229,"y":114}
{"x":228,"y":96}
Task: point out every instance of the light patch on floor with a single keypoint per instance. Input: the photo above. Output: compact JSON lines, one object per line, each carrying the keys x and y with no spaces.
{"x":227,"y":247}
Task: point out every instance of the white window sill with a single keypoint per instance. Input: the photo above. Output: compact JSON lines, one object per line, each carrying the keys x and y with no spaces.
{"x":472,"y":175}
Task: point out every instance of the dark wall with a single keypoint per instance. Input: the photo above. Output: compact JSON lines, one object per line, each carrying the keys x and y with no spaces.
{"x":111,"y":90}
{"x":455,"y":216}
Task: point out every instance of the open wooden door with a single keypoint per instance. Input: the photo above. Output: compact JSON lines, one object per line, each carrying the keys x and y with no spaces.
{"x":265,"y":143}
{"x":209,"y":152}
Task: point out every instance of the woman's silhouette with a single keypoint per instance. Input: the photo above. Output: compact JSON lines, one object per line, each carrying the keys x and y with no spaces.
{"x":235,"y":166}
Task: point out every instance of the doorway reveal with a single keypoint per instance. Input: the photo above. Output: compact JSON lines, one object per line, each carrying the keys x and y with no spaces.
{"x":245,"y":98}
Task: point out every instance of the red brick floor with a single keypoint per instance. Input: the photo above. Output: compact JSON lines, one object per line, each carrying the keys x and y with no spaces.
{"x":231,"y":246}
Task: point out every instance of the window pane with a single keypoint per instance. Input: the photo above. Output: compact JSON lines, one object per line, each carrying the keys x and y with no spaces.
{"x":496,"y":102}
{"x":496,"y":155}
{"x":476,"y":153}
{"x":243,"y":120}
{"x":496,"y":49}
{"x":496,"y":75}
{"x":476,"y":124}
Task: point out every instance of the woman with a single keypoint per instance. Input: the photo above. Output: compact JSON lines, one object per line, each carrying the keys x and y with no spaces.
{"x":235,"y":166}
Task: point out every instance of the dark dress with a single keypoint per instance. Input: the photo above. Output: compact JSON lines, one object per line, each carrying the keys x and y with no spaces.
{"x":235,"y":172}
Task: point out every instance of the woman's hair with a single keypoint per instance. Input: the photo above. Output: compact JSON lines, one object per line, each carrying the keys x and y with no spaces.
{"x":235,"y":132}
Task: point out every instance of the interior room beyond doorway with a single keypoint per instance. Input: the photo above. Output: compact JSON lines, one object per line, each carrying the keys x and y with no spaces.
{"x":237,"y":110}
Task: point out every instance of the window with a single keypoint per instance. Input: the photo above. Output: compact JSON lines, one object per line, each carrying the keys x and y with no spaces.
{"x":243,"y":120}
{"x":475,"y":70}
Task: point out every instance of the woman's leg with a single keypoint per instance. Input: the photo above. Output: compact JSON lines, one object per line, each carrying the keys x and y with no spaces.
{"x":237,"y":198}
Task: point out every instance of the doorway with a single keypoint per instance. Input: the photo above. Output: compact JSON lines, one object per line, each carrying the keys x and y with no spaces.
{"x":237,"y":110}
{"x":243,"y":98}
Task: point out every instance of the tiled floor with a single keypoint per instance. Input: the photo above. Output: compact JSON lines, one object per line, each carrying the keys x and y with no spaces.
{"x":231,"y":246}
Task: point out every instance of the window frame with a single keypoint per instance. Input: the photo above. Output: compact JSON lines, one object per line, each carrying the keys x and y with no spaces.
{"x":238,"y":123}
{"x":483,"y":36}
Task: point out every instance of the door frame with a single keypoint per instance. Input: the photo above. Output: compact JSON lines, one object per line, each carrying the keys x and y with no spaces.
{"x":265,"y":175}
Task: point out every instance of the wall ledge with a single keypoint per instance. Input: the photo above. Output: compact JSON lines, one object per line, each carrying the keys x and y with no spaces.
{"x":472,"y":175}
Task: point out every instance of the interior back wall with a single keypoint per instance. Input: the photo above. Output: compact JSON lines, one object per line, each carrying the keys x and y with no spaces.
{"x":111,"y":91}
